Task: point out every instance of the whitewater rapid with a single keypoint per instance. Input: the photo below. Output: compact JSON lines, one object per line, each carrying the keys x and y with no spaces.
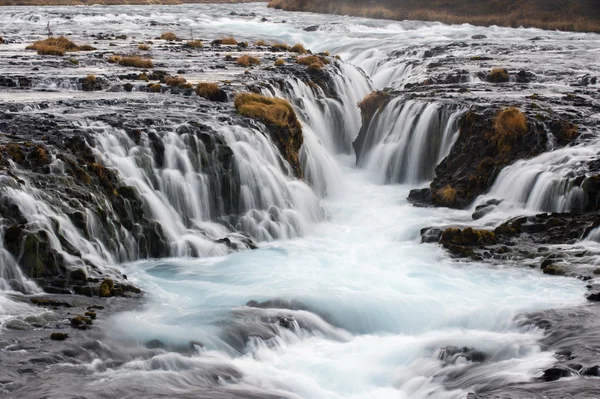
{"x":374,"y":309}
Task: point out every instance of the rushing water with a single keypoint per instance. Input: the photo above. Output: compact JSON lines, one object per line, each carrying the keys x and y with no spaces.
{"x":359,"y":308}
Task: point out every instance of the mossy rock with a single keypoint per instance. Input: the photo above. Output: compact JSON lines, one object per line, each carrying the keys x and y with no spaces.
{"x":81,"y":322}
{"x":555,"y":270}
{"x":106,"y":288}
{"x":58,"y":336}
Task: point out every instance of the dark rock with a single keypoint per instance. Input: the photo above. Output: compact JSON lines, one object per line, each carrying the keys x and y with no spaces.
{"x":555,"y":373}
{"x":59,"y":336}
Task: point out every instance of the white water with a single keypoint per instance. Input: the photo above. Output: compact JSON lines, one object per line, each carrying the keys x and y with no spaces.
{"x":387,"y":304}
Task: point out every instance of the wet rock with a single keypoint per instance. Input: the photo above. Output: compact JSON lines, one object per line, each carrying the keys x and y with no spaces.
{"x":287,"y":322}
{"x":478,"y":37}
{"x":593,"y":371}
{"x":555,"y":373}
{"x":312,"y":28}
{"x":595,"y":297}
{"x":81,"y":322}
{"x":430,"y":235}
{"x":58,"y":336}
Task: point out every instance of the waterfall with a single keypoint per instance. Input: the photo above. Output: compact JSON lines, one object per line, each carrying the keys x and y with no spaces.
{"x":545,"y":183}
{"x":406,"y":140}
{"x":329,"y":124}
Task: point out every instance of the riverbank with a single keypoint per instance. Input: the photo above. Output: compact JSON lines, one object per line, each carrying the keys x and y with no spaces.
{"x":581,"y":16}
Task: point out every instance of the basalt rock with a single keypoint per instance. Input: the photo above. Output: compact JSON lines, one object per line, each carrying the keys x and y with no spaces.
{"x":480,"y":153}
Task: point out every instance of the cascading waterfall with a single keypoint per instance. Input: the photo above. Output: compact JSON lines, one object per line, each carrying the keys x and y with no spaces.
{"x":406,"y":140}
{"x":339,"y":300}
{"x":545,"y":183}
{"x":329,"y":124}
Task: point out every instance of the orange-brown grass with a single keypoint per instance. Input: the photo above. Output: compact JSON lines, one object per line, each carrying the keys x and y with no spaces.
{"x":260,"y":43}
{"x":155,"y":88}
{"x":499,"y":75}
{"x":372,"y":103}
{"x":169,"y":36}
{"x":194,"y":44}
{"x":280,"y":47}
{"x":279,"y":62}
{"x":269,"y":110}
{"x":1,"y":40}
{"x":89,"y":80}
{"x":312,"y":59}
{"x":298,"y":48}
{"x":175,"y":81}
{"x":229,"y":40}
{"x":207,"y":90}
{"x":509,"y":125}
{"x":143,"y":47}
{"x":247,"y":60}
{"x":446,"y":195}
{"x":134,"y":61}
{"x":57,"y":46}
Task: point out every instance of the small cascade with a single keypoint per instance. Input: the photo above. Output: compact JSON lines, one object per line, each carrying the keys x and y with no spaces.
{"x":11,"y":276}
{"x":192,"y":175}
{"x":330,"y":121}
{"x":550,"y":182}
{"x":406,"y":140}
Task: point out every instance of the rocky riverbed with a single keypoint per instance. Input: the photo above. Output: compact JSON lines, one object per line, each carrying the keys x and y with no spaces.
{"x":154,"y":222}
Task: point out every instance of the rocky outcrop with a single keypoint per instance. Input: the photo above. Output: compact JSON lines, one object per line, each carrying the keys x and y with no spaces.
{"x":489,"y":140}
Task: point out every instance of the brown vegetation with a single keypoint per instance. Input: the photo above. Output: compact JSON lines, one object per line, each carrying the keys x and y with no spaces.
{"x":247,"y":60}
{"x":298,"y":48}
{"x":279,"y":117}
{"x":135,"y":61}
{"x":579,"y":15}
{"x":229,"y":40}
{"x":498,"y":75}
{"x":169,"y":36}
{"x":260,"y":43}
{"x":280,"y":47}
{"x":194,"y":44}
{"x":1,"y":40}
{"x":207,"y":90}
{"x":509,"y":125}
{"x":178,"y":81}
{"x":446,"y":195}
{"x":57,"y":46}
{"x":143,"y":47}
{"x":279,"y":62}
{"x":372,"y":103}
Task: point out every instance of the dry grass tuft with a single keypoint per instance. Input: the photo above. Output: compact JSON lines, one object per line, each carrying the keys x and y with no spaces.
{"x":498,"y":75}
{"x":89,"y":80}
{"x":57,"y":46}
{"x":372,"y":103}
{"x":143,"y":47}
{"x":446,"y":195}
{"x":298,"y":48}
{"x":260,"y":43}
{"x":135,"y":61}
{"x":169,"y":36}
{"x":194,"y":44}
{"x":279,"y":62}
{"x":2,"y":40}
{"x":155,"y":88}
{"x":279,"y":117}
{"x":277,"y":47}
{"x":207,"y":90}
{"x":509,"y":125}
{"x":269,"y":110}
{"x":229,"y":40}
{"x":178,"y":81}
{"x":247,"y":60}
